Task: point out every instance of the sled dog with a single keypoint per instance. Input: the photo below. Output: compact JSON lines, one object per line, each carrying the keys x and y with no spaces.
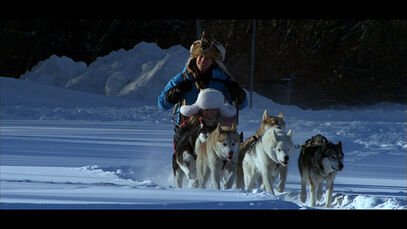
{"x":263,"y":159}
{"x":266,"y":123}
{"x":203,"y":135}
{"x":229,"y":169}
{"x":319,"y":161}
{"x":214,"y":153}
{"x":184,"y":157}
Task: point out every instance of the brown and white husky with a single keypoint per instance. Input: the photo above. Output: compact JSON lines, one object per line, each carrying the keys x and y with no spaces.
{"x":220,"y":148}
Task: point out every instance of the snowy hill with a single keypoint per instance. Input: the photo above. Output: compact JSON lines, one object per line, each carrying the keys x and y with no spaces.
{"x":76,"y":136}
{"x":136,"y":74}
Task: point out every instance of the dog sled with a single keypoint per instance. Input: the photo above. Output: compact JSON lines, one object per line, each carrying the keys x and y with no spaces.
{"x":180,"y":121}
{"x":197,"y":121}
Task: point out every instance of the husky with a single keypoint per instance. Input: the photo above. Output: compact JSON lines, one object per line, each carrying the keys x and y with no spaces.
{"x":319,"y":161}
{"x":214,"y":153}
{"x":264,"y":158}
{"x":229,"y":170}
{"x":266,"y":123}
{"x":203,"y":135}
{"x":184,"y":157}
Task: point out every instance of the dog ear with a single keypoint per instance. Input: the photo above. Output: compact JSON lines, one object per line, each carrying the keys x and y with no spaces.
{"x":281,"y":115}
{"x":219,"y":129}
{"x":233,"y":127}
{"x":289,"y":133}
{"x":324,"y":144}
{"x":339,"y":145}
{"x":264,"y":115}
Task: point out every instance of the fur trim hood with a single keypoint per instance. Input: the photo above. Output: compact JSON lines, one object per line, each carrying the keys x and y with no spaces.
{"x":209,"y":98}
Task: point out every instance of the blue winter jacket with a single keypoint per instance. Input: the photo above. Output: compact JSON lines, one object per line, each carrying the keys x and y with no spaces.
{"x":191,"y":96}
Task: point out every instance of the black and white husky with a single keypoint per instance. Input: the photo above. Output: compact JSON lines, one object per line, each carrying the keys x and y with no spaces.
{"x":184,"y":157}
{"x":319,"y":161}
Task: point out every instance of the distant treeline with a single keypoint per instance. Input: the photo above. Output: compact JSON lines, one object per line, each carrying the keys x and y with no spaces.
{"x":326,"y":62}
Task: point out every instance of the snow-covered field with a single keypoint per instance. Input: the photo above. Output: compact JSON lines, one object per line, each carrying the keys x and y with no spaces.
{"x":92,"y":137}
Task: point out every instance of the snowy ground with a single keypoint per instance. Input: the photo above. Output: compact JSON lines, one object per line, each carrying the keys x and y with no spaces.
{"x":64,"y":144}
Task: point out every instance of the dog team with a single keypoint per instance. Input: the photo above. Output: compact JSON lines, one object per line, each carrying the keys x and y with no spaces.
{"x":219,"y":154}
{"x":208,"y":149}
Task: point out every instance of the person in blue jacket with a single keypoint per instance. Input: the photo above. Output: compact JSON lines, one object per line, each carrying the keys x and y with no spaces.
{"x":204,"y":69}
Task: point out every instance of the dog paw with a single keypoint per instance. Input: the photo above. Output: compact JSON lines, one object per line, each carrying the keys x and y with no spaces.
{"x":195,"y":184}
{"x":263,"y":187}
{"x":303,"y":197}
{"x":280,"y":188}
{"x":257,"y":190}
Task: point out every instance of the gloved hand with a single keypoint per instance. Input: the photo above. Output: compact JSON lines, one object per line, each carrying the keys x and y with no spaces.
{"x":185,"y":86}
{"x":174,"y":94}
{"x":236,"y":91}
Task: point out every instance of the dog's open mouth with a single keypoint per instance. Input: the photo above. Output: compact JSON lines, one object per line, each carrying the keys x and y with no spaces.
{"x":339,"y":169}
{"x":284,"y":163}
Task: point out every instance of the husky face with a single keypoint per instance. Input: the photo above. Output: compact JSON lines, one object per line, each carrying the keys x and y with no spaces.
{"x":272,"y":121}
{"x":280,"y":144}
{"x":332,"y":160}
{"x":203,"y":137}
{"x":204,"y":132}
{"x":227,"y":141}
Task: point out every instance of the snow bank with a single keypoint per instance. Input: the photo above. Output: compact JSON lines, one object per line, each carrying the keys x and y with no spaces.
{"x":55,"y":71}
{"x":137,"y":74}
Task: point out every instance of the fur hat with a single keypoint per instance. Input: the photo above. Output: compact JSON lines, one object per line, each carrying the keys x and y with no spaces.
{"x":208,"y":47}
{"x":209,"y":98}
{"x":213,"y":49}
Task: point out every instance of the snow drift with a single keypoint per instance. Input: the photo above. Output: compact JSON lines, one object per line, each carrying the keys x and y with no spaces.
{"x":137,"y":74}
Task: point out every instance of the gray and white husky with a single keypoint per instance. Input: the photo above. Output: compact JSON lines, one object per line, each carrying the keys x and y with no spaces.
{"x":319,"y":161}
{"x":262,"y":161}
